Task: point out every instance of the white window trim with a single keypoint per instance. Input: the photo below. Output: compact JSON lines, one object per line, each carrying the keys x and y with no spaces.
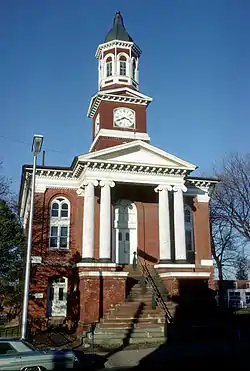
{"x":59,"y":221}
{"x":122,"y":54}
{"x":104,"y":67}
{"x":135,"y":78}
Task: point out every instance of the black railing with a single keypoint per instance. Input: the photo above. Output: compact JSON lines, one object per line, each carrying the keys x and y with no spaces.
{"x":160,"y":293}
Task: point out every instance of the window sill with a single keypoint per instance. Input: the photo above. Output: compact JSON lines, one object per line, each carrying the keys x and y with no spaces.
{"x":58,"y":249}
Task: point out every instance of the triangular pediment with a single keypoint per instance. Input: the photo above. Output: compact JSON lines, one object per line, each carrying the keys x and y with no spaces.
{"x":140,"y":153}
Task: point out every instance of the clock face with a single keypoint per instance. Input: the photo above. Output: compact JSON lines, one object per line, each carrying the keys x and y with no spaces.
{"x":124,"y":117}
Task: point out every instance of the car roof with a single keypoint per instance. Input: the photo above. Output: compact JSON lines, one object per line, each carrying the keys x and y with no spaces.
{"x":10,"y":339}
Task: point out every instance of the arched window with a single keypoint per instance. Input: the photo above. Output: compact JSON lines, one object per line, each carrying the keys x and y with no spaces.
{"x":59,"y":224}
{"x":109,"y":65}
{"x":189,"y":228}
{"x":123,"y":66}
{"x":134,"y":69}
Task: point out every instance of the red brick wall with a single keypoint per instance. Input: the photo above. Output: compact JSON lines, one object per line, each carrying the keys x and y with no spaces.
{"x":41,"y":226}
{"x":148,"y":228}
{"x":106,"y":142}
{"x":98,"y":294}
{"x":106,"y":115}
{"x":201,"y":231}
{"x":89,"y":299}
{"x":40,"y":276}
{"x":54,"y":262}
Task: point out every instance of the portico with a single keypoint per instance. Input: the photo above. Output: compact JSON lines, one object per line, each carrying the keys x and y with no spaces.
{"x":166,"y":179}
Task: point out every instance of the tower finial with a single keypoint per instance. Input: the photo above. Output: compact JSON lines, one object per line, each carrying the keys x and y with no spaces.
{"x":118,"y":31}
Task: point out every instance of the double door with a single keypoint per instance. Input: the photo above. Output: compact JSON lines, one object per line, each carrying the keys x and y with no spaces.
{"x":125,"y":245}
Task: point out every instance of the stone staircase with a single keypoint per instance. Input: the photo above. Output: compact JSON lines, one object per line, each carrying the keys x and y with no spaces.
{"x":133,"y":321}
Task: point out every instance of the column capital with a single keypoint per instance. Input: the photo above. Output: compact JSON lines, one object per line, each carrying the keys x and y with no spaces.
{"x":80,"y":192}
{"x":90,"y":181}
{"x":180,"y":187}
{"x":108,"y":183}
{"x":161,"y":187}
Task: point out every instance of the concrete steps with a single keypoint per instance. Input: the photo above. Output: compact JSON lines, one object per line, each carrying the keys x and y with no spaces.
{"x":132,"y":322}
{"x":129,"y":335}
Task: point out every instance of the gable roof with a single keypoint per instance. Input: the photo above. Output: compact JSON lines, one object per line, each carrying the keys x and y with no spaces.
{"x":138,"y":152}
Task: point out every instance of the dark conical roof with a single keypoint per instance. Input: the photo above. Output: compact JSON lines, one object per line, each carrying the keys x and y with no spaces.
{"x":118,"y":31}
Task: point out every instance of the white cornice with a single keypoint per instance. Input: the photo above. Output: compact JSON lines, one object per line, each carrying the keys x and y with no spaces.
{"x":112,"y":95}
{"x":201,"y":188}
{"x":103,"y":274}
{"x":159,"y":266}
{"x":203,"y":198}
{"x":96,"y":265}
{"x":185,"y":274}
{"x":117,"y":43}
{"x":207,"y":262}
{"x":119,"y":134}
{"x":109,"y":166}
{"x":148,"y":177}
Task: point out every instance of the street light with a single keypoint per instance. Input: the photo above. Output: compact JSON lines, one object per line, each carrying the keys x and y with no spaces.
{"x":36,"y":148}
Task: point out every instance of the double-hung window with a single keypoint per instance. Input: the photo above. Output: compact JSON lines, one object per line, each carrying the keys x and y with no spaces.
{"x":123,"y":66}
{"x":109,"y":67}
{"x":59,"y":224}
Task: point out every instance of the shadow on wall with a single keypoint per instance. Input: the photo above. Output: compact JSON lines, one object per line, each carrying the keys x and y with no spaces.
{"x":200,"y":332}
{"x":142,"y":254}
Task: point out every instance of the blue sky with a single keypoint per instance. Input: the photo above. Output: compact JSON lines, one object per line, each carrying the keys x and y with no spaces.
{"x":195,"y":65}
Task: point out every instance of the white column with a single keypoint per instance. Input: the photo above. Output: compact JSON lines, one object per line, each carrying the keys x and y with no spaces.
{"x":88,"y":219}
{"x":105,"y":220}
{"x":179,"y":223}
{"x":164,"y":223}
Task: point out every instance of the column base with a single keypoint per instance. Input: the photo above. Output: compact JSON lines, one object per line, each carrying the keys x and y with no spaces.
{"x":105,"y":260}
{"x":165,"y":261}
{"x":180,"y":261}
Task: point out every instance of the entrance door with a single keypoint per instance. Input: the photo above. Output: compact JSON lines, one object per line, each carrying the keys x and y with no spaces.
{"x":57,"y":297}
{"x":123,"y":246}
{"x":125,"y":231}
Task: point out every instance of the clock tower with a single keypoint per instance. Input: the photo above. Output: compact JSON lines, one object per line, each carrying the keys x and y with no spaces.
{"x":118,"y":110}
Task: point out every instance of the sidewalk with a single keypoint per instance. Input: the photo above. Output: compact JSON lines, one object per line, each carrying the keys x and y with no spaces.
{"x":175,"y":353}
{"x":127,"y":358}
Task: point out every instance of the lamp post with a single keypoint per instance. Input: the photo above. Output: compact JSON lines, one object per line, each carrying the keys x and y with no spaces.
{"x":36,"y":148}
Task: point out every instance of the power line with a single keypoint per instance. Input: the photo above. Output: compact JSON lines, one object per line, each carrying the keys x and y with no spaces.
{"x":28,"y":144}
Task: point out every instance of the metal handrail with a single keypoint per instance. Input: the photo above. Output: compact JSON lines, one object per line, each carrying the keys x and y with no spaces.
{"x":158,"y":295}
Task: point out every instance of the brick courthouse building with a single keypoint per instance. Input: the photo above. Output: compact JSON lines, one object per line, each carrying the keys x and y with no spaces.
{"x":124,"y":196}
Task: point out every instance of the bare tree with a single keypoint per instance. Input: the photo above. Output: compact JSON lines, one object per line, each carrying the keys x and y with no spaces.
{"x":224,"y":243}
{"x":232,"y":194}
